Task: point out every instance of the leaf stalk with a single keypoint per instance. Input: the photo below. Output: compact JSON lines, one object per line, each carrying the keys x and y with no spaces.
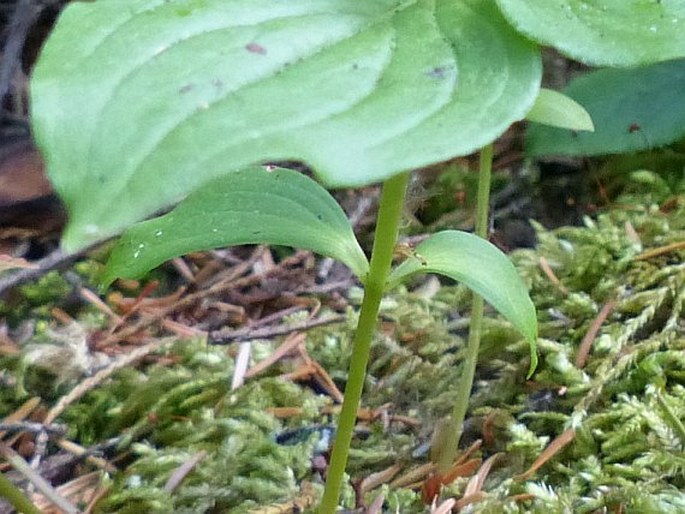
{"x":451,"y":445}
{"x":385,"y":239}
{"x":14,"y":495}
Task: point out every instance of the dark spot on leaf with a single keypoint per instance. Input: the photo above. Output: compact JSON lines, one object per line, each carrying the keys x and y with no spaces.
{"x":255,"y":48}
{"x":217,"y":83}
{"x":633,"y":127}
{"x":319,"y":217}
{"x":437,"y":73}
{"x":355,"y":66}
{"x":256,"y":232}
{"x":574,"y":133}
{"x":185,"y":89}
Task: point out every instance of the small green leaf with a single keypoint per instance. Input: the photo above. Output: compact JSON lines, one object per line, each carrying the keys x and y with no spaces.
{"x":633,"y":109}
{"x":483,"y":268}
{"x":280,"y":207}
{"x":134,"y":107}
{"x":606,"y":32}
{"x":558,"y":110}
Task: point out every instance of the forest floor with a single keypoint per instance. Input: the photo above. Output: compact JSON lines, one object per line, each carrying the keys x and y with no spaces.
{"x":213,"y":384}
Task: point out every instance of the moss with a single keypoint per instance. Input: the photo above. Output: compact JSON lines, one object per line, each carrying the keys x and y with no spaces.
{"x":626,"y":454}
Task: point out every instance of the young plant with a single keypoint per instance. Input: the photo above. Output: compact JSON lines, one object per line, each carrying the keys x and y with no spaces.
{"x":138,"y":108}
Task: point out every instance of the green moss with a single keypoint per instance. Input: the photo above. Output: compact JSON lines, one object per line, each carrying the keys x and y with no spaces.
{"x":627,"y":453}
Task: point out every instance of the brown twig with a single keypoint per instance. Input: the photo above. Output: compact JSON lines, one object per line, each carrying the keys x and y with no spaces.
{"x":230,"y":282}
{"x":94,"y":300}
{"x":547,"y":270}
{"x":277,"y":316}
{"x":552,"y":449}
{"x":413,"y":475}
{"x":444,"y":508}
{"x":379,"y":478}
{"x":475,"y":485}
{"x":56,"y":259}
{"x":20,"y":465}
{"x":376,"y":506}
{"x":469,"y":499}
{"x":595,"y":326}
{"x":321,"y":376}
{"x":182,"y":471}
{"x":80,"y":451}
{"x":80,"y":489}
{"x":288,"y":345}
{"x":102,"y":375}
{"x":656,"y":252}
{"x":224,"y":336}
{"x":28,"y":426}
{"x":22,"y":412}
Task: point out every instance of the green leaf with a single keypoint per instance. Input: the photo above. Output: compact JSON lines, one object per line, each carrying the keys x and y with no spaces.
{"x":558,"y":110}
{"x":604,"y":33}
{"x":633,"y":109}
{"x":135,"y":107}
{"x":483,"y":268}
{"x":253,"y":205}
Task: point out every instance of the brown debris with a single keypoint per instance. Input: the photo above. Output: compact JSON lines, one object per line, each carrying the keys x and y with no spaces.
{"x":595,"y":326}
{"x":558,"y":444}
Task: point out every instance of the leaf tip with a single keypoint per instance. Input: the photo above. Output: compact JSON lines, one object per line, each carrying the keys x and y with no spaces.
{"x":559,"y":110}
{"x":533,"y":361}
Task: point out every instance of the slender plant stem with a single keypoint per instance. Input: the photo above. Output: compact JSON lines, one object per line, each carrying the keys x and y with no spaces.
{"x":42,"y":485}
{"x":387,"y":226}
{"x":12,"y":494}
{"x":475,"y":325}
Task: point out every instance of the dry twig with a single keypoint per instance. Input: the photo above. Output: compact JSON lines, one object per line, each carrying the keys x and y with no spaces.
{"x":595,"y":326}
{"x":102,"y":375}
{"x":54,"y":260}
{"x":244,"y":334}
{"x":552,"y":449}
{"x":20,"y":465}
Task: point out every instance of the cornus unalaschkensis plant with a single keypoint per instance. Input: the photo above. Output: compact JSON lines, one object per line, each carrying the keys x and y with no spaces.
{"x":140,"y":104}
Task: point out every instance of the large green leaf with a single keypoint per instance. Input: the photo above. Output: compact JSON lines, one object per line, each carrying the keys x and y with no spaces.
{"x":136,"y":106}
{"x":633,"y":109}
{"x":604,"y":32}
{"x":281,"y":207}
{"x":483,"y":268}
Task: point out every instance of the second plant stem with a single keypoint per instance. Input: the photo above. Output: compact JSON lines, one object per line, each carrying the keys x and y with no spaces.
{"x":16,"y":497}
{"x":387,"y":227}
{"x":461,"y":403}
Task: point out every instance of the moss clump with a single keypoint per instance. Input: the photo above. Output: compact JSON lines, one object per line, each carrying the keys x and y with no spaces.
{"x":625,"y":402}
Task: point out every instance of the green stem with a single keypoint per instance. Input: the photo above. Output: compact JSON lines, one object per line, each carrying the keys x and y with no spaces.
{"x":387,"y":227}
{"x":42,"y":485}
{"x":13,"y":495}
{"x":475,"y":325}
